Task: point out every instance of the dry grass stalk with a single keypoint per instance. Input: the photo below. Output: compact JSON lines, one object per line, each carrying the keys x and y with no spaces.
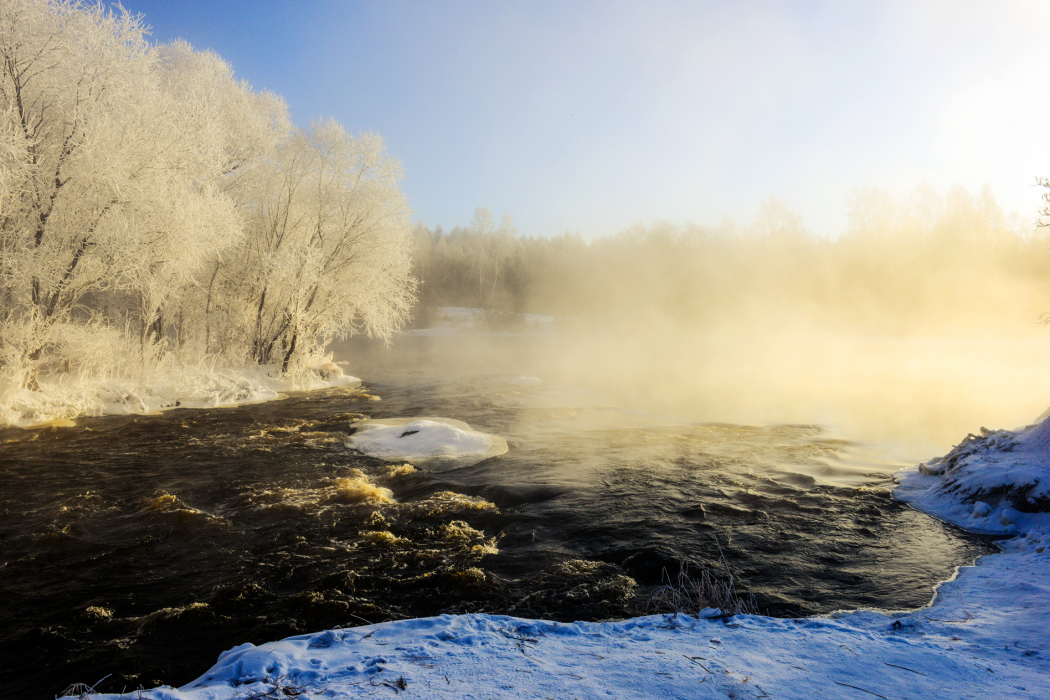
{"x":280,"y":689}
{"x":81,"y":691}
{"x":693,"y":594}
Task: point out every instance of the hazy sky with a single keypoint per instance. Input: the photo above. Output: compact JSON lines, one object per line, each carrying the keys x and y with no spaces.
{"x":590,"y":116}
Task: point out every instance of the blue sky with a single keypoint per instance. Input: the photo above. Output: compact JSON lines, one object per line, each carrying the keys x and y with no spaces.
{"x":591,"y":116}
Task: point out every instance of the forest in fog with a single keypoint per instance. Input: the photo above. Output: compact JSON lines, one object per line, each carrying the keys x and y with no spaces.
{"x":924,"y":263}
{"x":922,"y":316}
{"x":153,"y":205}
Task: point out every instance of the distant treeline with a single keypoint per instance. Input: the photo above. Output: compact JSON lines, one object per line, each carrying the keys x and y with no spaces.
{"x":923,"y":262}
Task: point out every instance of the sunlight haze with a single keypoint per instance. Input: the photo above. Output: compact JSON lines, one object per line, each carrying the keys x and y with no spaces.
{"x":592,"y":116}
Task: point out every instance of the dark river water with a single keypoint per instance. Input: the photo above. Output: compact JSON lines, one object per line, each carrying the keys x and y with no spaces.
{"x":142,"y":547}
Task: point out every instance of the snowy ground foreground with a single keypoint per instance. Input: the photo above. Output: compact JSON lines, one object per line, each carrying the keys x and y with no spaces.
{"x":62,"y":399}
{"x":434,"y":444}
{"x":984,"y":636}
{"x":451,"y":320}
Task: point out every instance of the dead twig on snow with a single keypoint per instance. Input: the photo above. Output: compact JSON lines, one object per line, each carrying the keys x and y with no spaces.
{"x":967,"y":619}
{"x":397,"y":686}
{"x":862,"y":690}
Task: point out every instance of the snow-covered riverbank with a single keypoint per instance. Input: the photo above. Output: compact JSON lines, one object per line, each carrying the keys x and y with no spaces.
{"x":165,"y":382}
{"x":983,"y":636}
{"x":64,"y":398}
{"x":996,"y":483}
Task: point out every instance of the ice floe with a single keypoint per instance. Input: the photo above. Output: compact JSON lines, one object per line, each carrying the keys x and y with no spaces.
{"x":434,"y":444}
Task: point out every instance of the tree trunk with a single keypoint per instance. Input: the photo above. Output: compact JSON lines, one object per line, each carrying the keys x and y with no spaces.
{"x":288,"y":355}
{"x":31,"y":382}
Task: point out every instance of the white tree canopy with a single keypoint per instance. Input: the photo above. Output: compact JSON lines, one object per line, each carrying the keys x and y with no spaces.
{"x":143,"y":183}
{"x":328,"y":244}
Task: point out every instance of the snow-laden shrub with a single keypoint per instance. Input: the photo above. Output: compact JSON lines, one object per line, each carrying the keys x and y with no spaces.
{"x":697,"y":595}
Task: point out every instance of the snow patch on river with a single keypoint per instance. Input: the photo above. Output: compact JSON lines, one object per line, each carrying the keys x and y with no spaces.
{"x":435,"y":444}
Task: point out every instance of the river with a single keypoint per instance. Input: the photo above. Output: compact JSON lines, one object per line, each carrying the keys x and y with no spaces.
{"x":141,"y":547}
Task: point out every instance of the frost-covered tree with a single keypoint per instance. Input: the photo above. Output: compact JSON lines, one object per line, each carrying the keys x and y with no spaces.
{"x":327,"y":251}
{"x":777,"y":221}
{"x":128,"y":173}
{"x":146,"y":196}
{"x":120,"y":186}
{"x":872,"y":212}
{"x":67,"y":71}
{"x":13,"y":161}
{"x":217,"y":129}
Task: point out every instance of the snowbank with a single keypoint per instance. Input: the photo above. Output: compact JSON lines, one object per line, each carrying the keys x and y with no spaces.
{"x":63,"y":398}
{"x":435,"y":444}
{"x":984,"y":637}
{"x":997,"y":483}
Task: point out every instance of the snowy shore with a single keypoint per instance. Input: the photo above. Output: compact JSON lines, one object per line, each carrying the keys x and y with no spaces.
{"x":983,"y":635}
{"x":997,"y":483}
{"x":63,"y":399}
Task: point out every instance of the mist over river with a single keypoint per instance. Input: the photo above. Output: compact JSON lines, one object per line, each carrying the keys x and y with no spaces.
{"x":124,"y":537}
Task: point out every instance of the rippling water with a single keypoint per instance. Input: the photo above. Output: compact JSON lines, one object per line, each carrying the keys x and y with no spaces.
{"x":143,"y":546}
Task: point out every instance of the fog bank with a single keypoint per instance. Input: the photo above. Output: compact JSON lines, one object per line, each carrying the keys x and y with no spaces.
{"x":919,"y":323}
